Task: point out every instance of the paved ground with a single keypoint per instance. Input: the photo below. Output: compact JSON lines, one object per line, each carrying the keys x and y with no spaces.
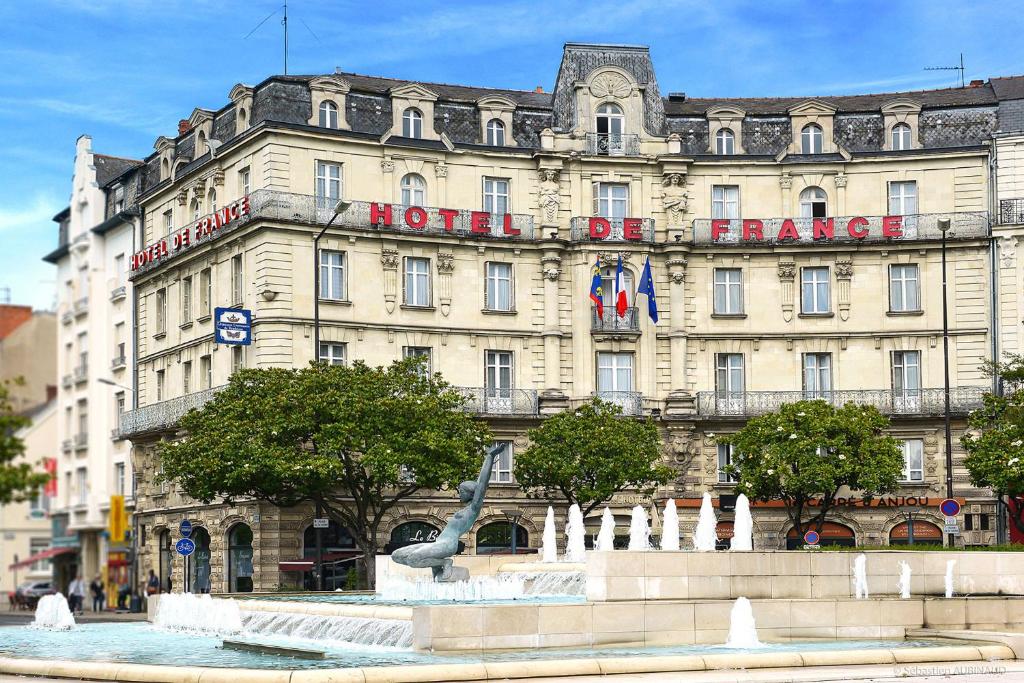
{"x":16,"y":617}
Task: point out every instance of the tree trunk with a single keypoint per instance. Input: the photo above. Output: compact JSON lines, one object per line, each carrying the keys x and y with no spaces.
{"x":370,"y":567}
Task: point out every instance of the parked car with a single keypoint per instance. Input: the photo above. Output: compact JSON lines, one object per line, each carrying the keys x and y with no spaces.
{"x":27,"y":594}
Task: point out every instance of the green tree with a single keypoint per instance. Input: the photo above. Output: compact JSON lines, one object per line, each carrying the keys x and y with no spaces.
{"x":18,"y":481}
{"x":804,"y":453}
{"x":995,"y":439}
{"x":353,"y":439}
{"x":589,"y":454}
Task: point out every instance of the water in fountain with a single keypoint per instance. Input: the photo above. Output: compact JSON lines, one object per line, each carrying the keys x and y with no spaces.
{"x":949,"y":577}
{"x":556,"y":583}
{"x":639,"y":531}
{"x":743,"y":527}
{"x":53,"y":614}
{"x":606,"y":536}
{"x":575,"y":536}
{"x":356,"y":630}
{"x":860,"y":576}
{"x":505,"y":586}
{"x":904,"y":580}
{"x":199,"y":614}
{"x":742,"y":629}
{"x":549,"y":542}
{"x":704,"y":536}
{"x":670,"y":527}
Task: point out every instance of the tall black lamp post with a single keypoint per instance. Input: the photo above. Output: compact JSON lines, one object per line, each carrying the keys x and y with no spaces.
{"x":513,"y":517}
{"x":944,"y":228}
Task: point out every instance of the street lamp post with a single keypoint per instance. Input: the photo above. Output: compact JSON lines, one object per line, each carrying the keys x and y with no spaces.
{"x":513,"y":517}
{"x":944,"y":228}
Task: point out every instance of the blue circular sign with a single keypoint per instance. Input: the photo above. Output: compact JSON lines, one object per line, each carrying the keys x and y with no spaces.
{"x":185,"y":528}
{"x":185,"y":546}
{"x":949,"y":507}
{"x":811,"y":538}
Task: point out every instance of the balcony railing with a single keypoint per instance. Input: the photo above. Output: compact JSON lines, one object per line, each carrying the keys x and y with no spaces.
{"x":67,"y":381}
{"x":67,"y":317}
{"x":889,"y":402}
{"x":579,"y":230}
{"x":118,"y":362}
{"x":490,"y":401}
{"x":81,"y":373}
{"x":631,"y":402}
{"x":81,"y":440}
{"x":65,"y":445}
{"x":162,"y":415}
{"x":613,"y":145}
{"x":921,"y":226}
{"x":1011,"y":211}
{"x":610,"y":322}
{"x":81,"y":306}
{"x":118,"y":293}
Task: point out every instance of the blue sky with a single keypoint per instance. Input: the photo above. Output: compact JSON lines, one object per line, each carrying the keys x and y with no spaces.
{"x":124,"y":72}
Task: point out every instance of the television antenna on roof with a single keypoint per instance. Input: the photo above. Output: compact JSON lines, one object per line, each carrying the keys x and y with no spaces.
{"x":284,"y":23}
{"x":951,"y":68}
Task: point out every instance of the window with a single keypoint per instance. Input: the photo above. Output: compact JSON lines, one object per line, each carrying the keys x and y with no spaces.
{"x":119,"y":199}
{"x":186,"y":377}
{"x":82,"y":485}
{"x":328,"y":114}
{"x":83,"y":418}
{"x":186,"y":300}
{"x":813,"y":203}
{"x":904,"y":288}
{"x":814,"y":290}
{"x":118,"y":341}
{"x":608,"y":288}
{"x":817,"y":375}
{"x":725,"y":201}
{"x":237,"y":358}
{"x":725,"y":141}
{"x":412,"y":123}
{"x":119,"y":478}
{"x":119,"y":403}
{"x":496,"y":195}
{"x":160,"y":385}
{"x":901,"y":136}
{"x":332,"y":275}
{"x":724,"y":461}
{"x":614,"y":372}
{"x":119,"y":271}
{"x":498,"y":373}
{"x":328,"y":184}
{"x":205,"y":372}
{"x":414,"y":190}
{"x":609,"y":125}
{"x":906,"y":380}
{"x":332,"y":353}
{"x":417,"y":281}
{"x":728,"y":291}
{"x":419,"y":352}
{"x":902,"y":198}
{"x":83,"y":351}
{"x":160,"y":305}
{"x":244,"y":182}
{"x":237,"y":289}
{"x":36,"y":546}
{"x":211,"y":201}
{"x":39,"y":504}
{"x":913,"y":460}
{"x":811,"y":139}
{"x":611,"y":200}
{"x":729,"y":373}
{"x":502,"y":453}
{"x":196,"y":209}
{"x":498,"y":286}
{"x":496,"y":133}
{"x":205,"y":291}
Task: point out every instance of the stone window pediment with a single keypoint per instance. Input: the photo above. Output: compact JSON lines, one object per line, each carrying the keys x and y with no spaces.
{"x":418,"y":97}
{"x":811,"y":113}
{"x":727,"y":118}
{"x":493,"y":107}
{"x":608,"y":85}
{"x":333,"y":89}
{"x":899,"y":111}
{"x":241,"y":95}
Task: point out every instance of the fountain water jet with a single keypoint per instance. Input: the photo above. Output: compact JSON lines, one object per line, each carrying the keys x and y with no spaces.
{"x":549,"y":547}
{"x":704,"y":537}
{"x":949,"y":577}
{"x":742,"y":629}
{"x":198,"y":614}
{"x":904,"y":580}
{"x":860,"y":576}
{"x":575,"y":532}
{"x":743,"y":527}
{"x":670,"y":527}
{"x":606,"y":536}
{"x":639,"y":531}
{"x":53,"y":614}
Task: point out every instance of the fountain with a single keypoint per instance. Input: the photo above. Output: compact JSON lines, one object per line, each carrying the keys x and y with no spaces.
{"x":742,"y":629}
{"x":743,"y":527}
{"x":199,"y":614}
{"x":860,"y":576}
{"x":949,"y":577}
{"x":704,"y":537}
{"x":904,"y":580}
{"x":52,"y":613}
{"x":670,"y":529}
{"x":549,"y":547}
{"x":575,"y":536}
{"x":606,"y":536}
{"x":639,"y":531}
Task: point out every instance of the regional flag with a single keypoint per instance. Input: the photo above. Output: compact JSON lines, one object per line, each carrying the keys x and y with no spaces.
{"x":620,"y":290}
{"x":647,"y":287}
{"x":596,"y":294}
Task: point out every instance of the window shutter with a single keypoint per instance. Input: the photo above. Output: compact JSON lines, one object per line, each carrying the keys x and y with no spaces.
{"x":596,"y":189}
{"x":430,"y":284}
{"x":487,"y":284}
{"x":405,"y":277}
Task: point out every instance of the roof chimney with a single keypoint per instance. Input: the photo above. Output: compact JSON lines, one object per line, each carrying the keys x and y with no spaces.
{"x":184,"y":126}
{"x":977,"y":83}
{"x":677,"y":97}
{"x":539,"y":90}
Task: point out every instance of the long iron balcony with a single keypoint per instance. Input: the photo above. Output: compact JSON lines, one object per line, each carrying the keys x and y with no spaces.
{"x":598,"y":229}
{"x":1011,"y":211}
{"x":889,"y":402}
{"x":613,"y":144}
{"x":610,"y":322}
{"x":495,"y":401}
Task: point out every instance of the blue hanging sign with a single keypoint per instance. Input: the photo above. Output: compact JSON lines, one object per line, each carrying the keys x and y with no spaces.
{"x":232,"y":326}
{"x":185,"y":546}
{"x":185,"y":528}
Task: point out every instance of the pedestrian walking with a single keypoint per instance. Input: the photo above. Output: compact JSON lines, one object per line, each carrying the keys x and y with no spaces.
{"x":76,"y":595}
{"x":98,"y":594}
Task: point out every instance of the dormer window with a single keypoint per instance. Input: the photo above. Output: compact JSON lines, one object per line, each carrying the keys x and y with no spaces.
{"x":328,"y":114}
{"x":610,"y":121}
{"x":811,"y":139}
{"x":496,"y":133}
{"x":901,"y":136}
{"x":725,"y":142}
{"x":813,"y":203}
{"x":201,"y":143}
{"x":414,"y":190}
{"x":412,"y":123}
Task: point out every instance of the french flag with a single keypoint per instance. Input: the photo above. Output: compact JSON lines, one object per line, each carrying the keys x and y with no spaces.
{"x":620,"y":290}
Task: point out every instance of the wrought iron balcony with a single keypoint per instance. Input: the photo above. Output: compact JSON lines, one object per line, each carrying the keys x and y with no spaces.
{"x":610,"y":322}
{"x":81,"y":440}
{"x":118,"y":362}
{"x":65,"y":446}
{"x":81,"y":306}
{"x":921,"y":226}
{"x":118,"y":293}
{"x":162,"y":415}
{"x":490,"y":401}
{"x":67,"y":381}
{"x":631,"y":402}
{"x":1011,"y":211}
{"x":81,"y":373}
{"x":889,"y":402}
{"x":67,"y":317}
{"x":579,"y":230}
{"x":613,"y":145}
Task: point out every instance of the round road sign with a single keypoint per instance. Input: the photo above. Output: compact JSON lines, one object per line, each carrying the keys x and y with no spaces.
{"x":812,"y":538}
{"x":949,"y":507}
{"x":185,"y":546}
{"x":185,"y":528}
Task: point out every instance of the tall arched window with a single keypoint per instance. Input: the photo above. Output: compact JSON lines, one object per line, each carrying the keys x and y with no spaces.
{"x":240,"y":559}
{"x":901,"y":136}
{"x":496,"y":133}
{"x":811,"y":139}
{"x":195,"y":209}
{"x":166,"y":557}
{"x":414,"y":190}
{"x":725,"y":142}
{"x":813,"y":203}
{"x":609,"y":125}
{"x":496,"y":537}
{"x":211,"y":200}
{"x":200,"y":564}
{"x":412,"y":123}
{"x":328,"y":114}
{"x":608,"y":287}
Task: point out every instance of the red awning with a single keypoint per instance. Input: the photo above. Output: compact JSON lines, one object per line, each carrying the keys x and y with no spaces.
{"x":44,"y":555}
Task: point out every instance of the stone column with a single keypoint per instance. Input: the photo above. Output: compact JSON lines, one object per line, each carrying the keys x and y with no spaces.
{"x":840,"y":181}
{"x":552,"y":398}
{"x":445,"y":266}
{"x":786,"y":184}
{"x":680,"y":400}
{"x":389,"y":259}
{"x":787,"y":272}
{"x":844,"y":273}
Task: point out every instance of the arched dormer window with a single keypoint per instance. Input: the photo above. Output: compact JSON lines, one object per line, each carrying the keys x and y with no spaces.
{"x":725,"y":141}
{"x":414,"y":190}
{"x":901,"y":136}
{"x":412,"y":123}
{"x":328,"y":114}
{"x":609,"y":125}
{"x":811,"y":139}
{"x":813,"y":203}
{"x":496,"y":133}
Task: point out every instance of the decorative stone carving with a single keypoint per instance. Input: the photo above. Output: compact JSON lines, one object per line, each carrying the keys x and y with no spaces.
{"x":785,"y":181}
{"x":844,"y":269}
{"x":844,"y":273}
{"x":445,"y":266}
{"x":445,"y":263}
{"x":674,"y":198}
{"x":182,"y":197}
{"x":387,"y":166}
{"x":552,"y":273}
{"x":1008,"y":251}
{"x":677,"y":269}
{"x":389,"y":259}
{"x":787,"y":272}
{"x":841,"y":180}
{"x":441,"y":171}
{"x":549,"y":198}
{"x":610,"y":84}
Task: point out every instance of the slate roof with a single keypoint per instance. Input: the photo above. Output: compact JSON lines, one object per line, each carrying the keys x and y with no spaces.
{"x":108,"y":168}
{"x":459,"y":93}
{"x":1009,"y":88}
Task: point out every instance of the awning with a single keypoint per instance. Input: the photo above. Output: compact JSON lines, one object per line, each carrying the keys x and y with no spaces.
{"x":44,"y":555}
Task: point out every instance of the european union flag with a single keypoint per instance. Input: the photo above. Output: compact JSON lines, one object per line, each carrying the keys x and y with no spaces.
{"x":647,"y":287}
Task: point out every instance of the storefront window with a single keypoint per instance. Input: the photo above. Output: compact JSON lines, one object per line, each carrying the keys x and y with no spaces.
{"x":199,"y":579}
{"x":240,"y":559}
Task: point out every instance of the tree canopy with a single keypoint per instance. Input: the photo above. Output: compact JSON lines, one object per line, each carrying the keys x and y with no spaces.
{"x":18,"y":481}
{"x":589,"y":454}
{"x":804,"y":453}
